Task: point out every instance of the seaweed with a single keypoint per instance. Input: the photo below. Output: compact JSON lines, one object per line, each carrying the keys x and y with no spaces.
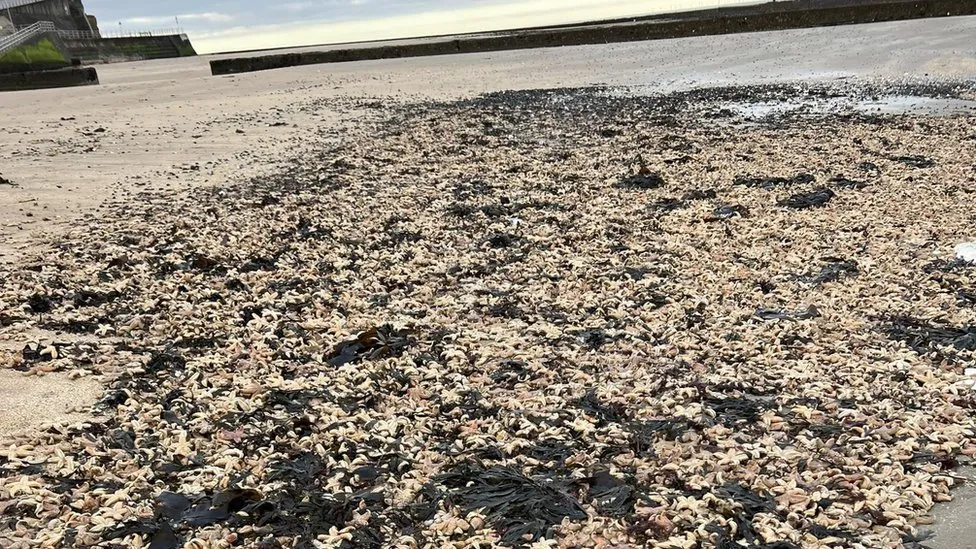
{"x":219,"y":508}
{"x":506,"y":308}
{"x":844,"y":183}
{"x":91,"y":298}
{"x":706,"y":194}
{"x":966,"y":297}
{"x":914,"y":161}
{"x":258,"y":264}
{"x":802,"y":201}
{"x":736,"y":412}
{"x":644,"y":179}
{"x":924,"y":337}
{"x":521,"y":509}
{"x":378,"y":342}
{"x":821,"y":532}
{"x":165,"y":360}
{"x":746,"y":504}
{"x":469,"y":406}
{"x":767,"y":315}
{"x":667,"y":205}
{"x":501,"y":240}
{"x":770,"y":183}
{"x":835,"y":270}
{"x":200,"y":262}
{"x":594,"y":339}
{"x":915,"y":541}
{"x":604,"y":414}
{"x":944,"y":266}
{"x":510,"y":373}
{"x":40,"y":304}
{"x":302,"y":468}
{"x":171,"y":506}
{"x":728,"y":211}
{"x":550,"y":452}
{"x":251,"y":312}
{"x":33,"y":353}
{"x":612,"y":496}
{"x":643,"y":434}
{"x":946,"y":462}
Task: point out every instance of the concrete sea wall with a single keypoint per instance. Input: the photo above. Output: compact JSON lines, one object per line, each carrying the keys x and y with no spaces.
{"x":65,"y":14}
{"x":775,"y":16}
{"x":48,"y":79}
{"x":137,"y":48}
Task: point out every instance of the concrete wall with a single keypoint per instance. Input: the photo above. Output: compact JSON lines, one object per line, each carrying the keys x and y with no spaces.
{"x":113,"y":50}
{"x":733,"y":20}
{"x":6,"y":26}
{"x":65,"y":14}
{"x":48,"y":79}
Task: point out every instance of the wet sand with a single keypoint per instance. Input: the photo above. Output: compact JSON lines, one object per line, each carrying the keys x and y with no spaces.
{"x":164,"y":142}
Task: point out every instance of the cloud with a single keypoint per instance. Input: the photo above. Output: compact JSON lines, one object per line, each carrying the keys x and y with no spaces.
{"x":295,"y":7}
{"x":206,"y":17}
{"x":427,"y":20}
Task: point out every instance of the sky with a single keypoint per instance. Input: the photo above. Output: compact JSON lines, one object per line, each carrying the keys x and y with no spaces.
{"x":221,"y":25}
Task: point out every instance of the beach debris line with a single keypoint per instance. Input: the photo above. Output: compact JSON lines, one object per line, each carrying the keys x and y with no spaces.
{"x":365,"y":349}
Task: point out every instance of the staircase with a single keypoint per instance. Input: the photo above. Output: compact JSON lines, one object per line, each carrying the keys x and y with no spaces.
{"x":24,"y":35}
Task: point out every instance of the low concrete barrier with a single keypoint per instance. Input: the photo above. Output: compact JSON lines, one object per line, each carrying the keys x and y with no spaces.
{"x":36,"y":80}
{"x":793,"y":15}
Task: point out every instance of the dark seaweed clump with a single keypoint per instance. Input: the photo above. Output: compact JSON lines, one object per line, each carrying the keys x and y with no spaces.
{"x":379,"y":342}
{"x":769,"y":183}
{"x":834,"y":270}
{"x":744,"y":505}
{"x":803,"y":201}
{"x":643,"y":179}
{"x":924,"y":337}
{"x":522,"y":509}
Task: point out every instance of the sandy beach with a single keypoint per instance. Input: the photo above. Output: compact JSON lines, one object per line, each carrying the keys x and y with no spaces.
{"x":696,"y":292}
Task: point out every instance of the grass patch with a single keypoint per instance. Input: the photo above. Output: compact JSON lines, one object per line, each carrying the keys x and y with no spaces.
{"x":43,"y":52}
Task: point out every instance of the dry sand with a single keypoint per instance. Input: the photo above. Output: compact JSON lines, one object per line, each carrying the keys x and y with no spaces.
{"x":27,"y":401}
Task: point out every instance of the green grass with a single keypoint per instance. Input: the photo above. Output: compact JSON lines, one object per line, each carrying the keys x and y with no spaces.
{"x":43,"y":52}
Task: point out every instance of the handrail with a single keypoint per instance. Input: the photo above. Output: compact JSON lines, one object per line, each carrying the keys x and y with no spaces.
{"x":8,"y":43}
{"x":85,"y":35}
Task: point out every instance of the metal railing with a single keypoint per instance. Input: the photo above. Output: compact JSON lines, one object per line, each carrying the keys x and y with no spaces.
{"x":10,"y":42}
{"x":86,"y":35}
